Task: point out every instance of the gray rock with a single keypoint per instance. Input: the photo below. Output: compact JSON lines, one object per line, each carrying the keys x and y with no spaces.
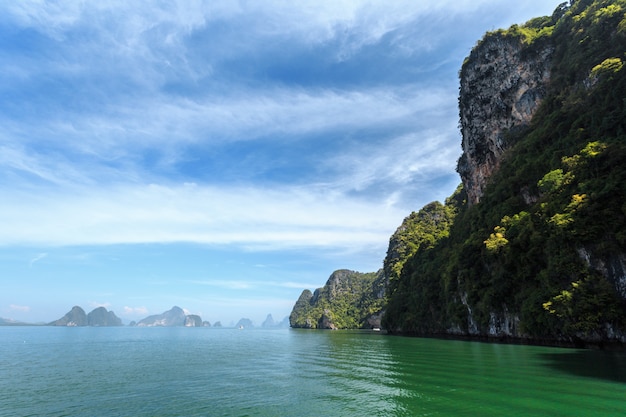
{"x":502,"y":85}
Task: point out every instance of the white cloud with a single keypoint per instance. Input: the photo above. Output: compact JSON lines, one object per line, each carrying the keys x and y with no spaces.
{"x":92,"y":155}
{"x":135,"y":311}
{"x":22,"y":309}
{"x":398,"y":163}
{"x":233,"y":284}
{"x":96,"y":304}
{"x":142,"y":39}
{"x":277,"y":217}
{"x":95,"y":150}
{"x":159,"y":120}
{"x":297,"y":285}
{"x":117,"y":125}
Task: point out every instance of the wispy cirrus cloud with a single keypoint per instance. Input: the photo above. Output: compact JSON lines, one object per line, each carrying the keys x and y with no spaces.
{"x":130,"y":106}
{"x":251,"y":284}
{"x":278,"y":217}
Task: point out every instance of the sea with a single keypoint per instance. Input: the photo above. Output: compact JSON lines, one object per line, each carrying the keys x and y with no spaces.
{"x":177,"y":371}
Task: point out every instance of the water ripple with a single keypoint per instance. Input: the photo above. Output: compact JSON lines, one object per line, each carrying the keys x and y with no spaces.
{"x":227,"y":372}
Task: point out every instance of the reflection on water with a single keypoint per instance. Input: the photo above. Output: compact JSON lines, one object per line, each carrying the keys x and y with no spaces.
{"x":370,"y":374}
{"x":607,"y":365}
{"x":350,"y":373}
{"x":471,"y":378}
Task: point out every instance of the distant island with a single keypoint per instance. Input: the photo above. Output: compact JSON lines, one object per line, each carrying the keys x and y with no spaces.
{"x":171,"y":318}
{"x":174,"y":317}
{"x":97,"y":317}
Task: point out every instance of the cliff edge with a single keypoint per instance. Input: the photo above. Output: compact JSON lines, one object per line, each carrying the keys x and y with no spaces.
{"x":535,"y":250}
{"x":503,"y":82}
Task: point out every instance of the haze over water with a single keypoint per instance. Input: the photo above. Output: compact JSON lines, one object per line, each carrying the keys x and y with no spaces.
{"x":228,"y":372}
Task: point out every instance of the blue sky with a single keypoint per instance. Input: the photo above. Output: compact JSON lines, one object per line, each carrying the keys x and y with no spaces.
{"x":221,"y":156}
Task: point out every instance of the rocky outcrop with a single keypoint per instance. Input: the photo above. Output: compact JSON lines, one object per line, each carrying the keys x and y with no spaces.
{"x":101,"y":317}
{"x":300,"y":316}
{"x":348,"y":300}
{"x":540,"y":257}
{"x":528,"y":262}
{"x":193,"y":320}
{"x":613,"y":268}
{"x":270,"y":323}
{"x":244,"y":324}
{"x":326,"y":321}
{"x":173,"y":317}
{"x":75,"y":317}
{"x":502,"y":84}
{"x":418,"y":230}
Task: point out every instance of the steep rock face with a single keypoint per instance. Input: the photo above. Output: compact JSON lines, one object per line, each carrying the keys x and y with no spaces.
{"x":75,"y":317}
{"x":418,"y":230}
{"x":539,"y":255}
{"x":502,"y":85}
{"x":300,"y":313}
{"x":326,"y":321}
{"x":613,"y":268}
{"x":348,"y":300}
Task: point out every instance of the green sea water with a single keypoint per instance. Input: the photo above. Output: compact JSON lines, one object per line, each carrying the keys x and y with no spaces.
{"x":50,"y":371}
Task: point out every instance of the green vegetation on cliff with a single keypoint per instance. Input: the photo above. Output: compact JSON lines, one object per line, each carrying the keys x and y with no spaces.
{"x":542,"y":254}
{"x":535,"y":246}
{"x":419,"y":230}
{"x":349,"y":300}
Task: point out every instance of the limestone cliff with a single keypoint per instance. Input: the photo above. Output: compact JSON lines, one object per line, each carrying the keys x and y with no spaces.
{"x":536,"y":250}
{"x":503,"y":83}
{"x":532,"y":247}
{"x":348,"y":300}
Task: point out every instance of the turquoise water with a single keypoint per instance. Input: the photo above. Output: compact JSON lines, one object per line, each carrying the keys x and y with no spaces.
{"x":49,"y":371}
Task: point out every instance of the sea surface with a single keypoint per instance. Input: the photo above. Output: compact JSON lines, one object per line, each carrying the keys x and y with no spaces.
{"x":130,"y":371}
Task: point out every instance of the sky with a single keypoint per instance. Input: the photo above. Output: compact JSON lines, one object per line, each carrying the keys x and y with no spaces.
{"x":221,"y":156}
